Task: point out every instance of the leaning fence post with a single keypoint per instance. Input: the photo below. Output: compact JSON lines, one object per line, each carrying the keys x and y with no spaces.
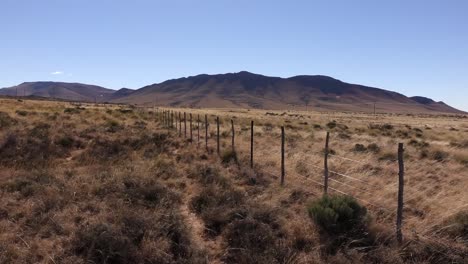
{"x":191,"y":128}
{"x":401,"y":181}
{"x":325,"y":165}
{"x":217,"y":134}
{"x":251,"y":142}
{"x":282,"y":155}
{"x":206,"y":132}
{"x":233,"y":134}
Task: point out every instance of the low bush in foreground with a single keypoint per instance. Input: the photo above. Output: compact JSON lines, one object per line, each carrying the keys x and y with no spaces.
{"x":337,"y":214}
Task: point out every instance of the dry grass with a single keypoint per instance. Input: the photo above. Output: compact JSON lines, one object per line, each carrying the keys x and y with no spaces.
{"x":109,"y":184}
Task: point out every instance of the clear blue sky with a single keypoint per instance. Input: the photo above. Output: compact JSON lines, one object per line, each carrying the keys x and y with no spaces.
{"x":413,"y":47}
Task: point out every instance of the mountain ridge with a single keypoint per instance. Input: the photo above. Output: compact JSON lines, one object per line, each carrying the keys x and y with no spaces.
{"x":243,"y":90}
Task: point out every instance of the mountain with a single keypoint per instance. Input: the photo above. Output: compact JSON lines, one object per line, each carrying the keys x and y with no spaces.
{"x":60,"y":90}
{"x":123,"y":92}
{"x":244,"y":90}
{"x":249,"y":90}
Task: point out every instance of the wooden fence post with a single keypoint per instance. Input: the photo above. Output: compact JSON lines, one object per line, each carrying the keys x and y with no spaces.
{"x":401,"y":183}
{"x":325,"y":165}
{"x":282,"y":155}
{"x":217,"y":134}
{"x":251,"y":142}
{"x":233,"y":134}
{"x":206,"y":132}
{"x":172,"y":119}
{"x":185,"y":125}
{"x":180,"y":125}
{"x":191,"y":128}
{"x":198,"y":128}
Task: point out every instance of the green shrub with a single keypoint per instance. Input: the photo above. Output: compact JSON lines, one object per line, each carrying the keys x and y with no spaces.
{"x":229,"y":156}
{"x":337,"y":214}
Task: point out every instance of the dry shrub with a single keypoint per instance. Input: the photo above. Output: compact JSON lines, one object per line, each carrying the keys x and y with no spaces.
{"x":252,"y":241}
{"x":31,"y":148}
{"x":217,"y":207}
{"x":457,"y":226}
{"x":6,"y":121}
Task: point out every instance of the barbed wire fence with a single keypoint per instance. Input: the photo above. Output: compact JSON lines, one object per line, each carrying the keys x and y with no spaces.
{"x":320,"y":178}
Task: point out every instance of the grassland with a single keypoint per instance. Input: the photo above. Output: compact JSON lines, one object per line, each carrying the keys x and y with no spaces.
{"x":111,"y":184}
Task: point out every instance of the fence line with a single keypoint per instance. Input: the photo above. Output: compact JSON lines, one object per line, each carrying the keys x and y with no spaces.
{"x":168,"y":119}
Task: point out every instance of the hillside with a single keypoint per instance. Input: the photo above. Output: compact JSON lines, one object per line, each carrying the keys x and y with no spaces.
{"x":59,"y":90}
{"x":248,"y":90}
{"x":243,"y":90}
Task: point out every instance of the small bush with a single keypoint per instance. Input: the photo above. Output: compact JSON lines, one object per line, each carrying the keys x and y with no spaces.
{"x":229,"y":156}
{"x":331,"y":125}
{"x":388,"y":156}
{"x":103,"y":243}
{"x":21,"y":112}
{"x":74,"y":110}
{"x":344,"y":136}
{"x":359,"y":148}
{"x":457,"y":226}
{"x":6,"y":120}
{"x":373,"y":148}
{"x":439,"y":155}
{"x":113,"y":126}
{"x":337,"y":214}
{"x":381,"y":127}
{"x":66,"y":141}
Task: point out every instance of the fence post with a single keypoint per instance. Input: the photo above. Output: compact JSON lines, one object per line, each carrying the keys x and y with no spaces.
{"x":180,"y":125}
{"x":401,"y":181}
{"x":282,"y":155}
{"x":251,"y":142}
{"x":217,"y":134}
{"x":206,"y":132}
{"x":191,"y":128}
{"x":198,"y":129}
{"x":325,"y":165}
{"x":185,"y":125}
{"x":172,"y":119}
{"x":233,"y":134}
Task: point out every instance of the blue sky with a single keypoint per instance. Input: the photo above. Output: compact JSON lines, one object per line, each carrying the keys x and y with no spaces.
{"x":412,"y":47}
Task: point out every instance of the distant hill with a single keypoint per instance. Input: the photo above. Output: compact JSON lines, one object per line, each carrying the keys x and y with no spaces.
{"x":243,"y":90}
{"x":59,"y":90}
{"x":249,"y":90}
